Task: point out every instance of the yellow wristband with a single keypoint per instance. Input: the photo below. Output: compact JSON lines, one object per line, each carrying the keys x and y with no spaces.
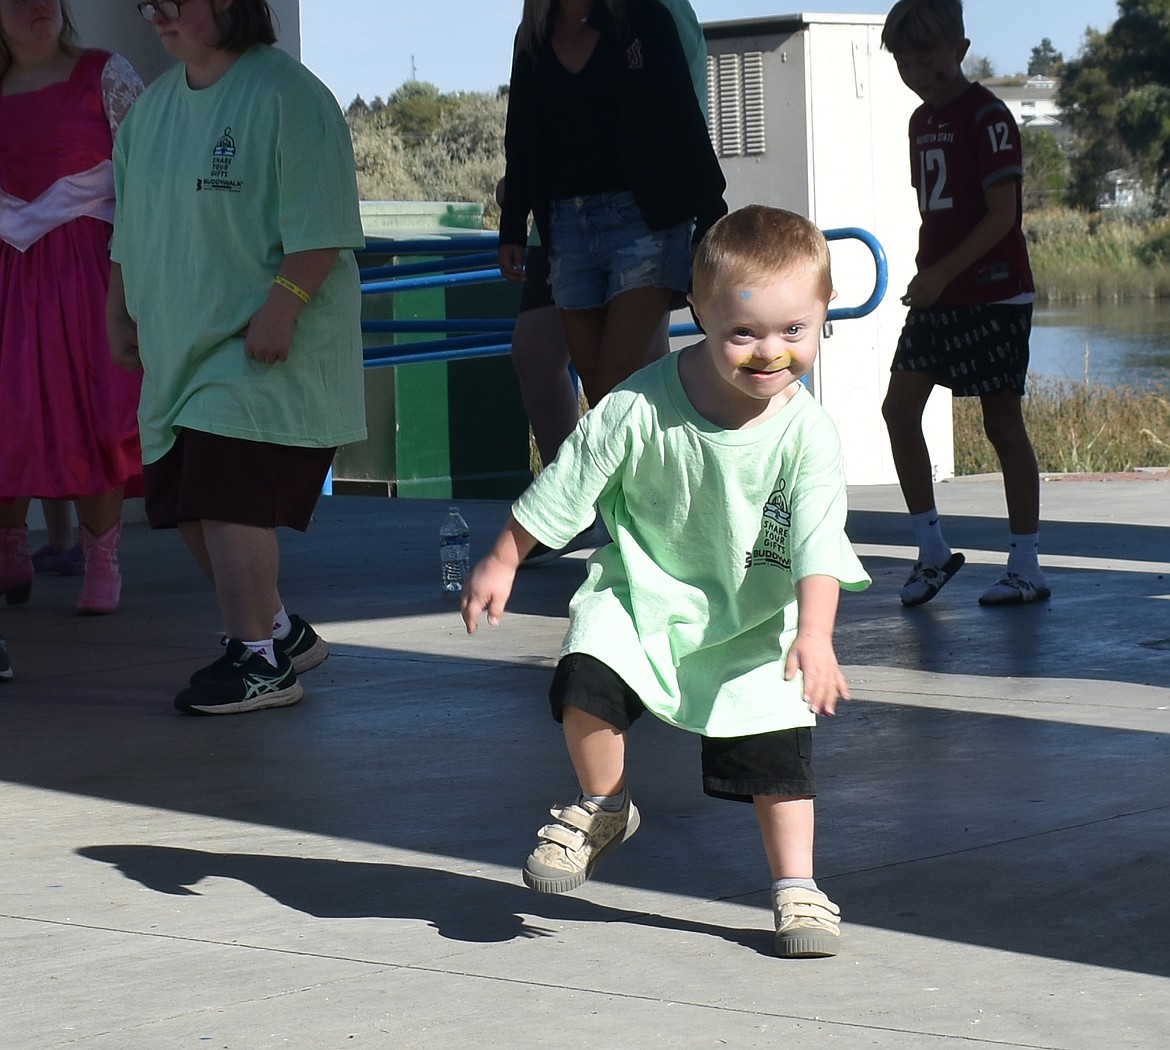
{"x":296,"y":289}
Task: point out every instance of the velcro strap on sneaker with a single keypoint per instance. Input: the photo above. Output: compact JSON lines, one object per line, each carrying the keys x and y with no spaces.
{"x":811,"y":910}
{"x":574,"y":817}
{"x":562,"y":836}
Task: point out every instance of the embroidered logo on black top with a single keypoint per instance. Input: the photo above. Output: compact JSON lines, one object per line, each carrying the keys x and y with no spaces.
{"x":634,"y":55}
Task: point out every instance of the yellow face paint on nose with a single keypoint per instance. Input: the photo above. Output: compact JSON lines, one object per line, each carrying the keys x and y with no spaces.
{"x":782,"y":362}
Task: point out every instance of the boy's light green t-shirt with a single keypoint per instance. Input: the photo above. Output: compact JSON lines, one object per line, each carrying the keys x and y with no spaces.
{"x":214,"y":188}
{"x":694,"y":602}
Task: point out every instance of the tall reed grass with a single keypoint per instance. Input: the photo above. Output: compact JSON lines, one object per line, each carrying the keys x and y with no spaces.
{"x":1075,"y":428}
{"x":1101,"y":256}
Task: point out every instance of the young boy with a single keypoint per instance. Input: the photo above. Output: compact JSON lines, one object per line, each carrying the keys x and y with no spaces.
{"x":719,"y":478}
{"x":971,"y":299}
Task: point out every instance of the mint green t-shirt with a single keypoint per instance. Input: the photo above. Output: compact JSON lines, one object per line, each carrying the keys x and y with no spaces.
{"x":694,"y":602}
{"x":214,"y":187}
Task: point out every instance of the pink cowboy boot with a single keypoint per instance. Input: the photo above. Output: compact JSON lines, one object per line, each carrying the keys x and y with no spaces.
{"x":103,"y":580}
{"x":16,"y":567}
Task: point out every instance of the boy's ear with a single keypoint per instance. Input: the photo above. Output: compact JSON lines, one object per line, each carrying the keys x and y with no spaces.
{"x":832,"y":294}
{"x":961,"y":50}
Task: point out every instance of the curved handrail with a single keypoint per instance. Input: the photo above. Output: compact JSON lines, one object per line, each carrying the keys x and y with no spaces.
{"x":486,"y":344}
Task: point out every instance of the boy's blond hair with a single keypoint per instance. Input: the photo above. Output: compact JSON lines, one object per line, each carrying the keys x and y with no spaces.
{"x":758,"y":241}
{"x":922,"y":25}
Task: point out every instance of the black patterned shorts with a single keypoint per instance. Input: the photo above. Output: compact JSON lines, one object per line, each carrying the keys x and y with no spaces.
{"x":972,"y":350}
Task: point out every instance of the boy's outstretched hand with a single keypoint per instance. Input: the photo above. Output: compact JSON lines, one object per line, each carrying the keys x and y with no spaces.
{"x":812,"y":652}
{"x":824,"y":684}
{"x":487,"y":589}
{"x":489,"y":586}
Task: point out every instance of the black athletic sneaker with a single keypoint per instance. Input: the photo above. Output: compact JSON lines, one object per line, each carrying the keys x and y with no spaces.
{"x":302,"y":645}
{"x":5,"y":666}
{"x":241,"y":681}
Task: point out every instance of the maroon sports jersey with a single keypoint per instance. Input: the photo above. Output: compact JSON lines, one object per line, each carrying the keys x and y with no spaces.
{"x":956,"y":152}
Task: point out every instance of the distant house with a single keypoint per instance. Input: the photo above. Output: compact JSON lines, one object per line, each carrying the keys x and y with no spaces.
{"x":1032,"y":102}
{"x":1120,"y":190}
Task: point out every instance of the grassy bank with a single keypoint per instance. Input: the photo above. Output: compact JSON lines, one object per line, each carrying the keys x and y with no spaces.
{"x":1076,"y":255}
{"x":1075,"y":427}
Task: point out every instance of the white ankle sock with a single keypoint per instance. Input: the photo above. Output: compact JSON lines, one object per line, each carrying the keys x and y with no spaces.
{"x":609,"y":803}
{"x":281,"y":624}
{"x":263,"y":648}
{"x":1023,"y":556}
{"x":932,"y":548}
{"x":792,"y":884}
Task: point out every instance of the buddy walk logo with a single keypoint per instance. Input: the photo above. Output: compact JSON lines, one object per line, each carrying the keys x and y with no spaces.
{"x":221,"y":162}
{"x":775,"y":524}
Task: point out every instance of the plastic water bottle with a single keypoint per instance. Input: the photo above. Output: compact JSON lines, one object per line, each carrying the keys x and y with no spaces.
{"x":454,"y":550}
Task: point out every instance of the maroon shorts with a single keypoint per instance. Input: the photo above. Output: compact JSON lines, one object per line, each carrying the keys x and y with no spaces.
{"x":206,"y":477}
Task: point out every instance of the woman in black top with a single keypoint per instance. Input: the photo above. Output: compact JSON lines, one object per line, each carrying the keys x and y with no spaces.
{"x":608,"y":150}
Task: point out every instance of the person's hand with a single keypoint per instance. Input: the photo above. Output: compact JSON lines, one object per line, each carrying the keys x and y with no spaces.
{"x":487,"y":589}
{"x":923,"y":291}
{"x":812,"y":656}
{"x":122,"y":333}
{"x":269,"y":334}
{"x":511,"y":260}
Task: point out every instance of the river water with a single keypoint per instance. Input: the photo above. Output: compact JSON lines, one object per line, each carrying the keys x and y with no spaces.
{"x":1117,"y":344}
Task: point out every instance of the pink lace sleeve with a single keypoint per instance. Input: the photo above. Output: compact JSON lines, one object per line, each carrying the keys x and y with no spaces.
{"x":121,"y":85}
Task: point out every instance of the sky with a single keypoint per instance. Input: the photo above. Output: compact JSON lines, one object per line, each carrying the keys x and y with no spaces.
{"x":370,"y":47}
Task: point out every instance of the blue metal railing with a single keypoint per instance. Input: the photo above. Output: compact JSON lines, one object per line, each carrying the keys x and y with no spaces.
{"x":462,"y":263}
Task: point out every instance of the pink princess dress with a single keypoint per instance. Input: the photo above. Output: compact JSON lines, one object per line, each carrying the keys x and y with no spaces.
{"x":68,"y":414}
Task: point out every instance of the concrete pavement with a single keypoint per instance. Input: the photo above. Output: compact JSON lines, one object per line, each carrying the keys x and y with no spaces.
{"x":994,"y":817}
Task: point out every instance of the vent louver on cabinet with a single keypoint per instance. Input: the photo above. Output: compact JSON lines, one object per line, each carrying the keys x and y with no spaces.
{"x":735,"y":104}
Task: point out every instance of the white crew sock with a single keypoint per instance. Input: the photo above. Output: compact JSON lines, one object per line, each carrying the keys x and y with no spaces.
{"x":932,"y":548}
{"x":1024,"y":557}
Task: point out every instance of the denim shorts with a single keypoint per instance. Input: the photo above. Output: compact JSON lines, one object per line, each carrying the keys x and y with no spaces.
{"x":736,"y":768}
{"x":600,"y":246}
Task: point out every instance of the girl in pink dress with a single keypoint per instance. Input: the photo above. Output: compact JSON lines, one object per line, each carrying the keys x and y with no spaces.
{"x":68,"y":427}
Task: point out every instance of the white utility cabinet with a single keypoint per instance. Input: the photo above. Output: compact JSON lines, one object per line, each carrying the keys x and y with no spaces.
{"x":807,"y":112}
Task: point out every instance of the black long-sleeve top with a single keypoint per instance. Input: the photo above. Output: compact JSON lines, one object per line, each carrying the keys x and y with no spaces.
{"x":661,"y":151}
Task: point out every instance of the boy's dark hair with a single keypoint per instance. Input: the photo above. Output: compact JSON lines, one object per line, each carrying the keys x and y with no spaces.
{"x":244,"y":23}
{"x":921,"y":25}
{"x":758,"y":241}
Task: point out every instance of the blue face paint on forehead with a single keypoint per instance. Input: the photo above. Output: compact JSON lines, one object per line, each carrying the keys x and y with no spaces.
{"x":745,"y":294}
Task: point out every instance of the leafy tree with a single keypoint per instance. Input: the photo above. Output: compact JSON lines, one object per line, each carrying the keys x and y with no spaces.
{"x":1045,"y":169}
{"x":416,"y":109}
{"x":1116,"y":96}
{"x":456,"y":155}
{"x":978,"y":67}
{"x":463,"y":158}
{"x":1045,"y":61}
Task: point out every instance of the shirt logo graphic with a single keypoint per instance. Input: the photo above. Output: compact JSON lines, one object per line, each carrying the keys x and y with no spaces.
{"x":634,"y":55}
{"x":222,"y":155}
{"x":772,"y":543}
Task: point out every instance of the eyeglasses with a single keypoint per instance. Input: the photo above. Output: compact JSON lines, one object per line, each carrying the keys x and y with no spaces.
{"x":168,"y":9}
